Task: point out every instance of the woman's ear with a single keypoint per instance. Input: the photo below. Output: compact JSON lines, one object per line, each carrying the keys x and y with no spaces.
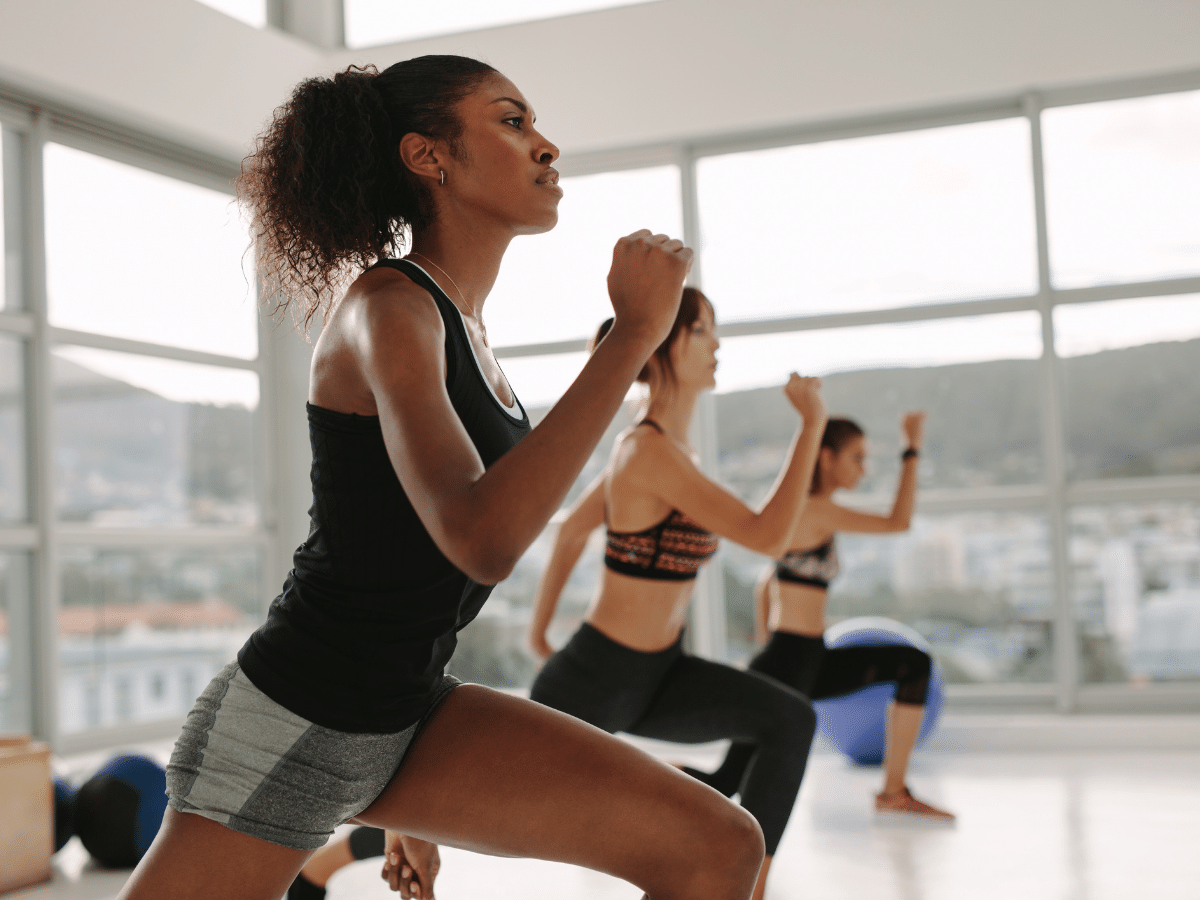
{"x":826,"y":459}
{"x":421,"y":156}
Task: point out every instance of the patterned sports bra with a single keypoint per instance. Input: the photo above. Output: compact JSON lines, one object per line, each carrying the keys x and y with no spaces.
{"x":816,"y":567}
{"x":672,"y":550}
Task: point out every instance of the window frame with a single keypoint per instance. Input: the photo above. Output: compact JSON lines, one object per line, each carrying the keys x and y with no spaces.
{"x":36,"y":123}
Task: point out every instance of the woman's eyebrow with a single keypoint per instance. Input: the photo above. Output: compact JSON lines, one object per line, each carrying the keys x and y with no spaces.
{"x":517,"y":103}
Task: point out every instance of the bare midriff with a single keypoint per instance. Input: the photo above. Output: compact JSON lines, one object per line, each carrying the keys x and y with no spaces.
{"x":641,"y":613}
{"x":800,"y":609}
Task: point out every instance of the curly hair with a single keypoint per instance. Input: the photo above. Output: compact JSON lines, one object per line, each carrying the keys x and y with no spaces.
{"x":325,"y":187}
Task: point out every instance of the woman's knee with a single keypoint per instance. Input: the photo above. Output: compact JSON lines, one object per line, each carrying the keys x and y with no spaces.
{"x":724,"y":846}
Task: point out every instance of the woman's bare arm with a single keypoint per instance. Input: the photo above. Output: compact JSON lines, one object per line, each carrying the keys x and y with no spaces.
{"x":660,"y":468}
{"x":484,"y":519}
{"x":585,"y":517}
{"x":764,"y":593}
{"x":832,"y":517}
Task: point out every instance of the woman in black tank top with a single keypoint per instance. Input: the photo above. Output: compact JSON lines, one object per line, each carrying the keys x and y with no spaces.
{"x":422,"y":499}
{"x":625,"y":670}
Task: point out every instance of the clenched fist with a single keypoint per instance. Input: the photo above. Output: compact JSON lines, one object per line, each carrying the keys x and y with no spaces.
{"x":645,"y":283}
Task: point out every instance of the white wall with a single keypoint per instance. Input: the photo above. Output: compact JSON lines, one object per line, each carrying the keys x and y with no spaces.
{"x":173,"y":67}
{"x":675,"y":68}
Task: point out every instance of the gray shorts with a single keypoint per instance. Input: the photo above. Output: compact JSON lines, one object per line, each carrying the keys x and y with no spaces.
{"x":248,"y":763}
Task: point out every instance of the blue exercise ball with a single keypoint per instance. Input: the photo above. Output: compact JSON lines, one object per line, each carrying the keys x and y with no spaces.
{"x":857,"y":723}
{"x":64,"y":811}
{"x":119,"y":809}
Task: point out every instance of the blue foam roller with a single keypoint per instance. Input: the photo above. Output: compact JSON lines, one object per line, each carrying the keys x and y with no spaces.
{"x":857,"y":723}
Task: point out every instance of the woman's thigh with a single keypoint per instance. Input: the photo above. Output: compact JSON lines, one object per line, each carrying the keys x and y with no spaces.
{"x":195,"y":858}
{"x":700,"y":700}
{"x":501,"y":775}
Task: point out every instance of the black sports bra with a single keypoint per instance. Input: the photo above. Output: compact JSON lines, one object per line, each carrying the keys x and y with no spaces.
{"x":672,"y":550}
{"x":816,"y":567}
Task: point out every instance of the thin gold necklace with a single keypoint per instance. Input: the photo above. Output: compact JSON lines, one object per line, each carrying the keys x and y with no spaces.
{"x":461,"y":296}
{"x":444,"y":272}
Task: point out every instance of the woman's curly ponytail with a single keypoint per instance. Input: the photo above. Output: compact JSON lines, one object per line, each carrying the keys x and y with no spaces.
{"x":325,"y":187}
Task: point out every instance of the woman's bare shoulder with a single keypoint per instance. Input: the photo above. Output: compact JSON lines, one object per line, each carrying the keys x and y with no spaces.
{"x":643,"y":446}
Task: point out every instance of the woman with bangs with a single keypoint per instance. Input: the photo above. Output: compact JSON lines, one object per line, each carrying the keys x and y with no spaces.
{"x":625,"y":668}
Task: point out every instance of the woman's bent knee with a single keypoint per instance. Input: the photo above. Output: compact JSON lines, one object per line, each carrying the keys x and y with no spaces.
{"x":724,"y":852}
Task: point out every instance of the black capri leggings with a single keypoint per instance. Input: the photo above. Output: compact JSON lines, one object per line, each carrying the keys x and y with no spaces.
{"x":807,"y":665}
{"x":671,"y":696}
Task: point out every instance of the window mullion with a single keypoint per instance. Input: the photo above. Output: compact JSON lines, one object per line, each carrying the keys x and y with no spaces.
{"x":40,"y":412}
{"x":1053,"y":444}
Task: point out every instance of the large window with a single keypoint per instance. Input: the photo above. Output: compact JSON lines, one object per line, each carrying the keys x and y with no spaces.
{"x":146,"y":441}
{"x":552,"y":286}
{"x":977,"y":377}
{"x":1132,"y":396}
{"x":1054,"y":548}
{"x":137,"y":255}
{"x":1024,"y":439}
{"x":1137,"y":590}
{"x":888,"y":220}
{"x":1122,"y":190}
{"x":131,"y":437}
{"x":142,"y":632}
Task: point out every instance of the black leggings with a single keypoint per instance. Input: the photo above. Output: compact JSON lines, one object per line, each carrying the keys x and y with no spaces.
{"x":671,"y":696}
{"x":807,"y":665}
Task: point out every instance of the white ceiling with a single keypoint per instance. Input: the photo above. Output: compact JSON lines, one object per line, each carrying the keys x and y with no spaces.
{"x":614,"y":78}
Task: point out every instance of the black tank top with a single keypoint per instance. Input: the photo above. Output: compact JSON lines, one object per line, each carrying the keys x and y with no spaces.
{"x":369,"y":615}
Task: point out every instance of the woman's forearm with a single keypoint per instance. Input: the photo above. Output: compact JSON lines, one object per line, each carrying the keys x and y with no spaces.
{"x":906,"y":494}
{"x":567,"y":549}
{"x":784,"y":505}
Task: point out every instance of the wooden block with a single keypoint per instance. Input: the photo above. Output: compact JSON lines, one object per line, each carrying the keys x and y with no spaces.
{"x":26,"y":812}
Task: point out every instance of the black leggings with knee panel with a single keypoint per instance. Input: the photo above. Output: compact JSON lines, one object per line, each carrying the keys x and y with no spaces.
{"x":671,"y":696}
{"x":807,"y":665}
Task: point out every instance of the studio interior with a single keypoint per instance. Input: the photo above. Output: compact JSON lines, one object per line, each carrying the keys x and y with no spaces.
{"x":988,"y":212}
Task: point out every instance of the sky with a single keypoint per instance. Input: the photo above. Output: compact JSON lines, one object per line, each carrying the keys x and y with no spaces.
{"x":866,"y":223}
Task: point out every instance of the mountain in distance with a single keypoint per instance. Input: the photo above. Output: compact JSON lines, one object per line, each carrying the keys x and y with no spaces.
{"x":1128,"y":412}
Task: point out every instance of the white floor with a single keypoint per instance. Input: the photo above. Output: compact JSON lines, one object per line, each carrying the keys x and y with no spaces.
{"x":1058,"y":826}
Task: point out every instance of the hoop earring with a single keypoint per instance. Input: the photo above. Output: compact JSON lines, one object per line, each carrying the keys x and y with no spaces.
{"x":441,"y":180}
